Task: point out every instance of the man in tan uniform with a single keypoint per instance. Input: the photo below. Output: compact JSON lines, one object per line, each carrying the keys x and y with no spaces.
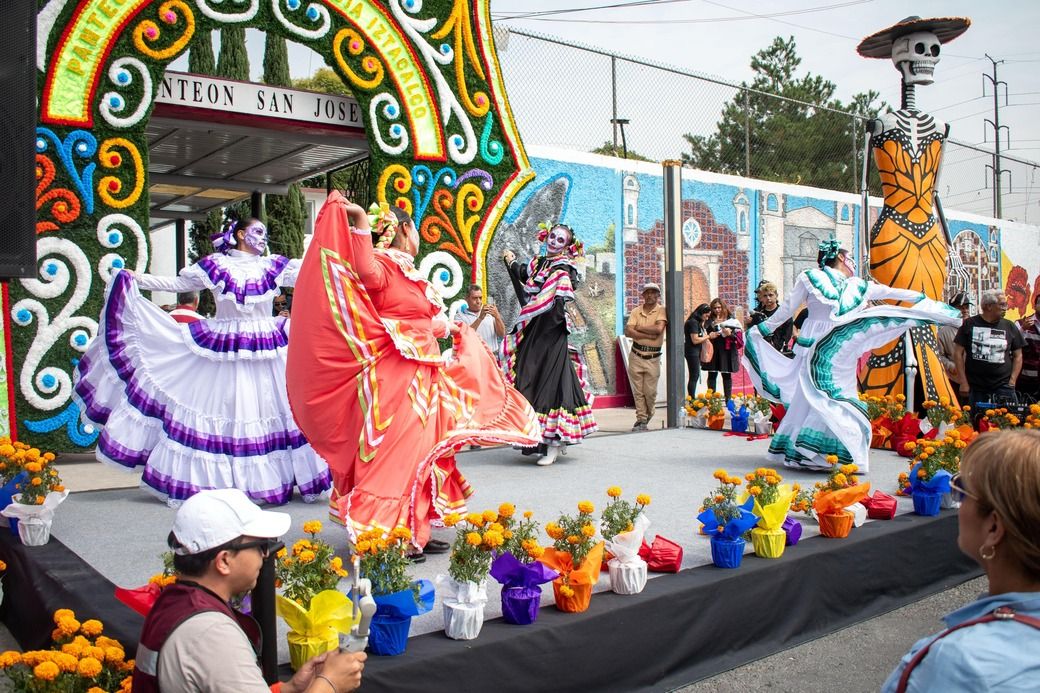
{"x":645,"y":326}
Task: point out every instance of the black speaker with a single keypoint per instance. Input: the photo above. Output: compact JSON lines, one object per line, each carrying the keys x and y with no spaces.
{"x":18,"y":140}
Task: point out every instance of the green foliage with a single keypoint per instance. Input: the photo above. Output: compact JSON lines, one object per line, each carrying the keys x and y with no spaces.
{"x":285,"y":216}
{"x":201,"y":60}
{"x":276,"y":61}
{"x":233,"y":62}
{"x":324,"y":80}
{"x":788,"y":140}
{"x":609,"y":149}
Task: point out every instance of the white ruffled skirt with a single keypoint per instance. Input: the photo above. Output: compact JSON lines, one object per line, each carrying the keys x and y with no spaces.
{"x":200,"y":405}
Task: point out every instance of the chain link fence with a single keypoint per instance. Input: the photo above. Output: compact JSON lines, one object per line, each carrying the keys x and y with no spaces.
{"x":615,"y":104}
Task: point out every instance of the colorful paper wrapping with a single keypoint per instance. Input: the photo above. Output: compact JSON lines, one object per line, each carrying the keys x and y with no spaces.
{"x":738,"y":420}
{"x":716,"y":421}
{"x":315,"y":630}
{"x":835,"y":525}
{"x":778,"y":410}
{"x":762,"y":423}
{"x":393,"y":618}
{"x":880,"y":432}
{"x":8,"y":490}
{"x":140,"y":599}
{"x":938,"y":484}
{"x":733,"y":529}
{"x":463,"y":604}
{"x":521,"y":594}
{"x":768,"y":543}
{"x":663,"y":556}
{"x":627,"y":569}
{"x":880,"y":506}
{"x":700,"y":419}
{"x":793,"y":529}
{"x":858,"y":512}
{"x":833,"y":502}
{"x":580,"y":579}
{"x":905,"y":431}
{"x":34,"y":521}
{"x":772,"y":515}
{"x":727,"y":553}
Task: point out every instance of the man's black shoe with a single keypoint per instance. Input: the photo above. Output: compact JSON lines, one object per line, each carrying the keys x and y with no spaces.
{"x":434,"y":546}
{"x":417,"y":557}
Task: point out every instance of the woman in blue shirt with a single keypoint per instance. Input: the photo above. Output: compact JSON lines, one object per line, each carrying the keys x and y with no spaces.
{"x":992,"y":644}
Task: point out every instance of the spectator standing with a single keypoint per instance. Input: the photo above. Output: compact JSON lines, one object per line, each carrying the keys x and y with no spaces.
{"x":282,"y":306}
{"x":768,"y":303}
{"x":645,"y":327}
{"x":187,"y":308}
{"x":1029,"y":379}
{"x":193,"y":641}
{"x":989,"y":352}
{"x":726,"y":359}
{"x":947,"y":334}
{"x":483,"y":318}
{"x":695,"y":335}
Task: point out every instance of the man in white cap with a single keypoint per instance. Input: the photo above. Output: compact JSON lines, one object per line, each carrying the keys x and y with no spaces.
{"x":193,"y":640}
{"x":645,"y":326}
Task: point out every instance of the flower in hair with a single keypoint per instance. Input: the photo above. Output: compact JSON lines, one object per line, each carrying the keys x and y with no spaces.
{"x":829,"y":249}
{"x":383,"y":223}
{"x":225,"y":240}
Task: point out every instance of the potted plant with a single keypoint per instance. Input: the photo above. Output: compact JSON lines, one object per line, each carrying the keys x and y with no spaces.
{"x":80,"y":658}
{"x":38,"y":497}
{"x":761,"y":414}
{"x":384,"y":561}
{"x":726,"y":521}
{"x":941,"y":416}
{"x":518,"y":569}
{"x":623,"y":525}
{"x":772,"y":500}
{"x":832,"y":497}
{"x":998,"y":418}
{"x":696,"y":412}
{"x":716,"y":405}
{"x":934,"y":463}
{"x":315,"y":611}
{"x":12,"y":474}
{"x":576,"y":556}
{"x":464,"y":594}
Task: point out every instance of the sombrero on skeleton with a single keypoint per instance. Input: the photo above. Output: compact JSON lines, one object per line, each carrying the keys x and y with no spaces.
{"x":879,"y":44}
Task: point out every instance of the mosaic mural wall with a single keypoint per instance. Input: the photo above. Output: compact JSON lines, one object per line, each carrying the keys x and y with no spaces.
{"x":736,"y":232}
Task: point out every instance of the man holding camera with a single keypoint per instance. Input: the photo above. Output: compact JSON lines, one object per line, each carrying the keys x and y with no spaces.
{"x":483,"y":318}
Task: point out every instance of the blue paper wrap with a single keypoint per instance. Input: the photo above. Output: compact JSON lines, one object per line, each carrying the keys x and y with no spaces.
{"x":938,"y":484}
{"x":738,"y":419}
{"x":388,"y":634}
{"x":8,"y":490}
{"x":733,"y":529}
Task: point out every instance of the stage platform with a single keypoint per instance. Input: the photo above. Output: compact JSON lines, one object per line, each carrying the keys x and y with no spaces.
{"x":682,"y":628}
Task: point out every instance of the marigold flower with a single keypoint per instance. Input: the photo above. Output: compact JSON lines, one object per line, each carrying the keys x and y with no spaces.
{"x":33,"y":467}
{"x":507,"y":533}
{"x":307,"y":556}
{"x":88,"y":667}
{"x":574,"y":539}
{"x":921,"y":473}
{"x":65,"y":661}
{"x":588,"y":530}
{"x":832,"y":459}
{"x":720,"y":474}
{"x":554,"y":530}
{"x":92,"y":628}
{"x":535,"y":551}
{"x":3,"y":566}
{"x":68,"y":626}
{"x":496,"y":527}
{"x":586,"y":507}
{"x":755,"y":491}
{"x":58,"y":488}
{"x":312,"y":527}
{"x":528,"y":514}
{"x":336,"y":563}
{"x":566,"y":591}
{"x":95,"y":689}
{"x":490,"y":516}
{"x":46,"y":671}
{"x":614,"y":491}
{"x":474,"y":539}
{"x":363,"y":546}
{"x":402,"y":533}
{"x":10,"y":658}
{"x":643,"y":499}
{"x":493,"y":539}
{"x":451,"y":519}
{"x":475,"y":519}
{"x":506,"y":510}
{"x":719,"y":498}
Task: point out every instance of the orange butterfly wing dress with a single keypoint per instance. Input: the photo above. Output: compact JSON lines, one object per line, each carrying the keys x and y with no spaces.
{"x":908,"y":251}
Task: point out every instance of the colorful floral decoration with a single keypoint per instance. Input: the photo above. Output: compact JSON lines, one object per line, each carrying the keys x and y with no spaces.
{"x":443,"y":142}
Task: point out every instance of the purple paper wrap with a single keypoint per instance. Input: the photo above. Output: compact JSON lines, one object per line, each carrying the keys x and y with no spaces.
{"x":508,"y":570}
{"x":793,"y":529}
{"x":520,"y":604}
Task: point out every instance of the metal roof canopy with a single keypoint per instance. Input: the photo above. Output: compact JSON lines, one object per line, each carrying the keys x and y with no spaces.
{"x":213,"y":142}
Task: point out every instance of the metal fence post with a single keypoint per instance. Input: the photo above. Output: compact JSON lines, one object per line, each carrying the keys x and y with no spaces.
{"x":673,"y":289}
{"x":613,"y":97}
{"x":747,"y":134}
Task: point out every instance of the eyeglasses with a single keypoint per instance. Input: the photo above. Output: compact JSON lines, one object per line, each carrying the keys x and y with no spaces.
{"x":958,"y":492}
{"x":266,"y":547}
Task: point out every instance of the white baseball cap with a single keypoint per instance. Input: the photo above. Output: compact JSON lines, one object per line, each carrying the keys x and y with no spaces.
{"x":211,"y":518}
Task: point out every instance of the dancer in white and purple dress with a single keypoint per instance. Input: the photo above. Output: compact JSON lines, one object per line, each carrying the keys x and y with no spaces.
{"x":202,"y":405}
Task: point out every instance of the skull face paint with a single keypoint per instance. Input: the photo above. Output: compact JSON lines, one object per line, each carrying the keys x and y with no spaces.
{"x":849,"y":263}
{"x":559,"y":238}
{"x":255,"y":237}
{"x":916,"y":55}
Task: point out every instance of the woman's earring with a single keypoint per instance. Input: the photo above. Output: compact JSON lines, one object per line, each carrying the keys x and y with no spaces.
{"x":990,"y":556}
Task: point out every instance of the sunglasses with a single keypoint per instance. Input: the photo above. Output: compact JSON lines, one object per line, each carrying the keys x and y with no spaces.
{"x":958,"y":492}
{"x":266,"y":547}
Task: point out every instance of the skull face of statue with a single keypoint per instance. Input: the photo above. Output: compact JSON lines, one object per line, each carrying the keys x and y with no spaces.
{"x":915,"y":56}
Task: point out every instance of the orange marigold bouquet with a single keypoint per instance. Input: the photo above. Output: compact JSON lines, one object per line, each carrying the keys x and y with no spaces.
{"x":576,"y":556}
{"x":310,"y":567}
{"x":477,"y":535}
{"x":620,"y":514}
{"x":942,"y":412}
{"x":81,"y":660}
{"x":803,"y":499}
{"x":384,"y":559}
{"x":42,"y":475}
{"x":933,"y":462}
{"x":842,"y":489}
{"x":521,"y":534}
{"x":999,"y":418}
{"x":1033,"y":417}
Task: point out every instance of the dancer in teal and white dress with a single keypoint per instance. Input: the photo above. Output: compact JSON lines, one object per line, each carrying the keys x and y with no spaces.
{"x":818,"y":387}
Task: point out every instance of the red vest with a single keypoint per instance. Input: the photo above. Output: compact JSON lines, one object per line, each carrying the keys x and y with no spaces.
{"x":175,"y":605}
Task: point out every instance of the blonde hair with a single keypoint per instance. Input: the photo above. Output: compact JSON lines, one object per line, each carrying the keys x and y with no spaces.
{"x":1002,"y":469}
{"x":764,"y":287}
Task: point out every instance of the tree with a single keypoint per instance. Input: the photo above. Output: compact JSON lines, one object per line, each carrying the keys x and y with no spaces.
{"x":805,"y":137}
{"x":233,"y":62}
{"x":608,"y":148}
{"x":324,"y":80}
{"x":201,"y":60}
{"x":276,"y":61}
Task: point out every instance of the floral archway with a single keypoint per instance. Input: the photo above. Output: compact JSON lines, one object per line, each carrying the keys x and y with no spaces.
{"x":443,"y":144}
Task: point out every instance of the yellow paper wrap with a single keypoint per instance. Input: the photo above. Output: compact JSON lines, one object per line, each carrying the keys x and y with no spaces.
{"x":769,"y":543}
{"x":834,"y":502}
{"x":772,"y":515}
{"x":316,"y":630}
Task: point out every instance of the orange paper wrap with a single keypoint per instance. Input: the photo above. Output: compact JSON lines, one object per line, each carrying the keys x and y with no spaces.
{"x":834,"y":502}
{"x":580,"y":579}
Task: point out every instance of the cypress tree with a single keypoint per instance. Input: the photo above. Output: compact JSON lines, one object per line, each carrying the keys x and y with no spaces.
{"x":233,"y":62}
{"x":200,"y":57}
{"x":276,"y":61}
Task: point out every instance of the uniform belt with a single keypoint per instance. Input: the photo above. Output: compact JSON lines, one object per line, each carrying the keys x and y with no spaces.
{"x":646,"y":356}
{"x":646,"y":348}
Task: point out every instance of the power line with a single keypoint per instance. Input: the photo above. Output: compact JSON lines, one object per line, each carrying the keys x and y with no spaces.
{"x":546,"y":13}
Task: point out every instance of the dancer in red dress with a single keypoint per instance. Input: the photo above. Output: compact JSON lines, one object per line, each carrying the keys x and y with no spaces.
{"x":368,"y":384}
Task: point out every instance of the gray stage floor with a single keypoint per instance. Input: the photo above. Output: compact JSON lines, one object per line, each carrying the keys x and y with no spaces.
{"x":122,"y":533}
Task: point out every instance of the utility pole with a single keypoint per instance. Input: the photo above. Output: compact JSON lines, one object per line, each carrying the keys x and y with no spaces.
{"x":995,"y":124}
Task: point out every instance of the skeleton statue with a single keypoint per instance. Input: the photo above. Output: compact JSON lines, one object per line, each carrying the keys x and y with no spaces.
{"x":909,"y":242}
